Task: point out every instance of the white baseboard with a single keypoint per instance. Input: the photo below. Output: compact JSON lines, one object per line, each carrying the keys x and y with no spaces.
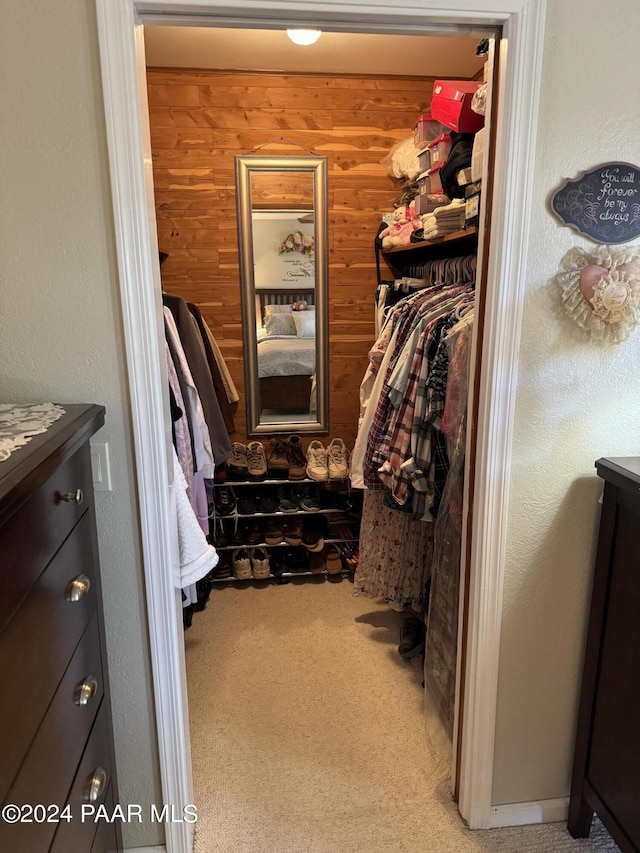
{"x":538,"y":811}
{"x":159,"y":849}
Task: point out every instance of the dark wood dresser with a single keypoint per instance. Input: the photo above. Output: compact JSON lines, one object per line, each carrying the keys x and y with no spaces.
{"x":56,"y":742}
{"x":606,"y":769}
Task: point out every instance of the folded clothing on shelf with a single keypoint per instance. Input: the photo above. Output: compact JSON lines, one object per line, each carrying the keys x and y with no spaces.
{"x":444,"y":220}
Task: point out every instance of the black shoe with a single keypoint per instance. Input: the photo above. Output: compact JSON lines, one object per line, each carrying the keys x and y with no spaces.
{"x":277,"y":564}
{"x":269,"y":500}
{"x":247,"y":503}
{"x":288,"y":498}
{"x":310,"y":499}
{"x":224,"y":501}
{"x":296,"y":560}
{"x":412,"y":638}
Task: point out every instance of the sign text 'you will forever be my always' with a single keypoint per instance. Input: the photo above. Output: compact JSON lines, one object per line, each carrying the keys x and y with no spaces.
{"x":603,"y":204}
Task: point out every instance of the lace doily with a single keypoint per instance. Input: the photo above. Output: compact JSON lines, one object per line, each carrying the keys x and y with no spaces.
{"x":601,"y":291}
{"x":18,"y":424}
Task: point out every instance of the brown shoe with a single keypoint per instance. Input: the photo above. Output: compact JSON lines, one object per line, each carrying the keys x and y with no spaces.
{"x":256,"y":461}
{"x":296,"y":458}
{"x":277,"y":462}
{"x":313,"y":534}
{"x":273,"y":532}
{"x":293,"y":532}
{"x":333,"y":559}
{"x":317,"y":564}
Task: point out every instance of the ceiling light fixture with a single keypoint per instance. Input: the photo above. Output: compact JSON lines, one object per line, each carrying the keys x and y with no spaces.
{"x":304,"y":37}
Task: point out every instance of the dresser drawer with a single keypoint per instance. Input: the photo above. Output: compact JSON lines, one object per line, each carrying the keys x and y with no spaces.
{"x":38,"y":643}
{"x":76,"y":835}
{"x":35,"y":532}
{"x":106,"y":838}
{"x":51,"y":763}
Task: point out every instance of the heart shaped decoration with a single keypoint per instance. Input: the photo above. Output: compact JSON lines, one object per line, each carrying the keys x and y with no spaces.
{"x":589,"y":278}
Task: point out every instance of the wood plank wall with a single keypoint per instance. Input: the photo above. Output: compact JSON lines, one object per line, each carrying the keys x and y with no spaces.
{"x":201,"y":119}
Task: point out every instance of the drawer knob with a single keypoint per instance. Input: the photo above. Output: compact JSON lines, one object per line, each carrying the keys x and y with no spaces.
{"x":85,"y":691}
{"x":77,"y":588}
{"x":73,"y":497}
{"x":96,"y":785}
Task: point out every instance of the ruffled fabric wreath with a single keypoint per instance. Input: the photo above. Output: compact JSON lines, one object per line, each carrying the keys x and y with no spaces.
{"x":601,"y":291}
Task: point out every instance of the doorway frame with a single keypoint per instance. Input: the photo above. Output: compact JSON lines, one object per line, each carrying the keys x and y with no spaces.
{"x":120,"y":29}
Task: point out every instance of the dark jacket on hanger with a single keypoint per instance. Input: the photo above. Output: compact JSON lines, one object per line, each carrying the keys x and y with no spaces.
{"x":218,"y":384}
{"x":196,"y":356}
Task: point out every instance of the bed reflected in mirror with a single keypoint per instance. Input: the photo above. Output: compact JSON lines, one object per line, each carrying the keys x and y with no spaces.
{"x":282,"y":215}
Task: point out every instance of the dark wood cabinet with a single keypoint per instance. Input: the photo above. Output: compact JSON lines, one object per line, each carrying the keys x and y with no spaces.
{"x":56,"y":742}
{"x":606,"y":770}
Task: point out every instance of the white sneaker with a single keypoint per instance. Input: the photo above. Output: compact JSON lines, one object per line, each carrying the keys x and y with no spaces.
{"x":241,"y":565}
{"x":317,"y":461}
{"x":260,"y":563}
{"x":338,"y":460}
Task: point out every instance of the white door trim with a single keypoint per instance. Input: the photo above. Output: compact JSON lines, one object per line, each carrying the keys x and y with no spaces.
{"x":122,"y":56}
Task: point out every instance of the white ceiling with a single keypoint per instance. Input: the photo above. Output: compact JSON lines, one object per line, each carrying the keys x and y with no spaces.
{"x":334,"y":53}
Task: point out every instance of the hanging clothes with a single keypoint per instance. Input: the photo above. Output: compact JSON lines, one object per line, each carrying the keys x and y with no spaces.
{"x":395,"y":555}
{"x":216,"y":375}
{"x":400,"y":449}
{"x":441,"y":644}
{"x":193,"y":348}
{"x":200,"y":431}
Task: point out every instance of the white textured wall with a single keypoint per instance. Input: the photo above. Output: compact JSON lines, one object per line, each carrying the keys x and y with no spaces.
{"x":576,"y":402}
{"x":61,"y":336}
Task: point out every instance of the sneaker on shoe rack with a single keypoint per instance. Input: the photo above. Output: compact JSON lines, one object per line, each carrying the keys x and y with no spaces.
{"x":277,"y":463}
{"x":337,"y":460}
{"x":247,"y":502}
{"x":296,"y":458}
{"x":241,"y":564}
{"x":237,"y":464}
{"x":256,"y":461}
{"x":270,"y":501}
{"x":218,"y":535}
{"x":224,"y":501}
{"x":310,"y":499}
{"x":293,"y":532}
{"x":288,"y":499}
{"x":260,"y":563}
{"x":317,"y":461}
{"x":313,"y":534}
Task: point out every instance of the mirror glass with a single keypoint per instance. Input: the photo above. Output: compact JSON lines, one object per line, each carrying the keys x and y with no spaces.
{"x":282,"y":237}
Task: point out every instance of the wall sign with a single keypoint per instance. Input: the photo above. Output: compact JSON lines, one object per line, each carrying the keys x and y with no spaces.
{"x":603,"y":204}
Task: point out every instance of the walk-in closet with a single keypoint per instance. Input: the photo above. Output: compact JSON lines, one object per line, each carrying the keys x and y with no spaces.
{"x":318,"y":220}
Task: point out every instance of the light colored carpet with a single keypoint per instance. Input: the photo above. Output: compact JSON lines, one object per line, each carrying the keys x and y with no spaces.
{"x":308,"y":734}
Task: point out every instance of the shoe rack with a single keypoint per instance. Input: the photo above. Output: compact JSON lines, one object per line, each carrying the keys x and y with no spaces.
{"x":350,"y":513}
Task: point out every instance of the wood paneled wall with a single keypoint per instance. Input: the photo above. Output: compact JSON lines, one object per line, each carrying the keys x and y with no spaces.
{"x":201,"y":119}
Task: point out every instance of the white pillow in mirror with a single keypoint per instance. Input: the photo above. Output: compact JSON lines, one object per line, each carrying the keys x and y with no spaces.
{"x":277,"y":309}
{"x":280,"y":324}
{"x":305,"y":323}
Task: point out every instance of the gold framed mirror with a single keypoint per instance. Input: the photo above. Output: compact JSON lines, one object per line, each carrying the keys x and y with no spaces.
{"x":283,"y":248}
